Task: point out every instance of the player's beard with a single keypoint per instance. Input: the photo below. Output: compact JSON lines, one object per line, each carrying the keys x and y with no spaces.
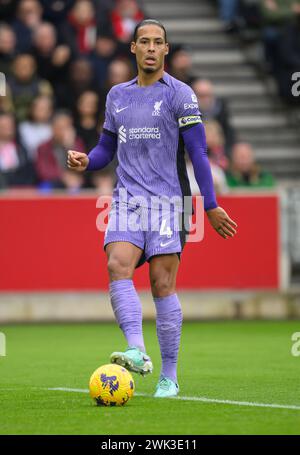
{"x":149,"y":70}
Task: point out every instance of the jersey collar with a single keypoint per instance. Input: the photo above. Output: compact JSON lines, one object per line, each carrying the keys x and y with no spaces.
{"x":163,"y":80}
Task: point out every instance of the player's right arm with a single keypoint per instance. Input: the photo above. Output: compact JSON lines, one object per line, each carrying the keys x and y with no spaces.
{"x":98,"y":157}
{"x":104,"y":152}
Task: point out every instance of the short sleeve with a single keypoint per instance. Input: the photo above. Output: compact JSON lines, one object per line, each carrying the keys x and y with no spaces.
{"x":109,"y":123}
{"x":186,"y":107}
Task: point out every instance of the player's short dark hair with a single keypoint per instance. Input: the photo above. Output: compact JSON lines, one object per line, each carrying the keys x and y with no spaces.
{"x":148,"y":22}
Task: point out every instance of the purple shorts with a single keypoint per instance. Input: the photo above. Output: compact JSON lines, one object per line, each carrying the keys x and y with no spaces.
{"x":155,"y":231}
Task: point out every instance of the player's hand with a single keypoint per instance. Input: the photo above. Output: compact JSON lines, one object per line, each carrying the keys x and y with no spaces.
{"x":221,"y":222}
{"x":77,"y":161}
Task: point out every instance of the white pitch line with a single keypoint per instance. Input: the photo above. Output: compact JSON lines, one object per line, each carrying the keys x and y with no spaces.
{"x":201,"y":399}
{"x":66,"y":389}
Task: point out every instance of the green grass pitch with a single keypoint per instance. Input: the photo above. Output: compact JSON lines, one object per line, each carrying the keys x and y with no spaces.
{"x":237,"y":361}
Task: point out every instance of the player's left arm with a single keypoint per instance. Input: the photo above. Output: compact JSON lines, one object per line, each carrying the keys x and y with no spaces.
{"x":195,"y":143}
{"x":185,"y":105}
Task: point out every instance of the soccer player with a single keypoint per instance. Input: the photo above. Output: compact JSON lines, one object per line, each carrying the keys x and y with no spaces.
{"x":148,"y":121}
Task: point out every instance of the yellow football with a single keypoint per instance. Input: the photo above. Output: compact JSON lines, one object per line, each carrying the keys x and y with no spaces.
{"x":111,"y":385}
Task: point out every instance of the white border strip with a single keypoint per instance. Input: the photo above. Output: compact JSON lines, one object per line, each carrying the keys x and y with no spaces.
{"x":201,"y":399}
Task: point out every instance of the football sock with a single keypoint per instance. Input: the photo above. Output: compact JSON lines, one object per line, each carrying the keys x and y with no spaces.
{"x":168,"y":329}
{"x":128,"y":311}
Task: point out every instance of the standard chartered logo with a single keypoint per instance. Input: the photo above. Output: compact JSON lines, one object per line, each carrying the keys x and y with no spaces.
{"x":122,"y":134}
{"x":144,"y":133}
{"x":138,"y":133}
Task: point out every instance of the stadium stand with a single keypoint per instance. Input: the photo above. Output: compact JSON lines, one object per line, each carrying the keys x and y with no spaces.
{"x":82,"y":48}
{"x":257,"y":113}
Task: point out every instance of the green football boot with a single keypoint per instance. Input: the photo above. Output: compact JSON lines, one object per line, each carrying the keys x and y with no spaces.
{"x":134,"y":360}
{"x":166,"y":388}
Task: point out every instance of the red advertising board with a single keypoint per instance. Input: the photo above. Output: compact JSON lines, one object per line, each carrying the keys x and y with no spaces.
{"x":52,"y":243}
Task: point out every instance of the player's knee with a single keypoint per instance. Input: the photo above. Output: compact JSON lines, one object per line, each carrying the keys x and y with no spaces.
{"x":162,"y":285}
{"x":119,"y":269}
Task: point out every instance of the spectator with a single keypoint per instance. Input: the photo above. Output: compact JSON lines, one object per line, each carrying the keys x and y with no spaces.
{"x":29,"y":15}
{"x":244,"y":171}
{"x":6,"y":102}
{"x":228,"y":12}
{"x":248,"y":18}
{"x":72,"y":181}
{"x":53,"y":59}
{"x":119,"y":71}
{"x":105,"y":52}
{"x":125,"y":16}
{"x":219,"y":179}
{"x":275,"y":14}
{"x":6,"y":58}
{"x":103,"y":14}
{"x":51,"y":155}
{"x":26,"y":85}
{"x":80,"y":79}
{"x":15,"y":167}
{"x":8,"y":10}
{"x":214,"y":108}
{"x":87,"y":118}
{"x":56,"y":11}
{"x":7,"y":48}
{"x":37,"y":128}
{"x":103,"y":181}
{"x":289,"y":49}
{"x":181,"y":66}
{"x":80,"y":31}
{"x":216,"y":144}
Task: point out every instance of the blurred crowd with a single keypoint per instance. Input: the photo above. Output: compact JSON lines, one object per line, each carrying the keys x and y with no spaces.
{"x":232,"y":162}
{"x":277,"y":25}
{"x":60,"y":59}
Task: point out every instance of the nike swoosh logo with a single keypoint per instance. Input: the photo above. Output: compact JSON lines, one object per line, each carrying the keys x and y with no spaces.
{"x":167,"y":243}
{"x":122,"y":109}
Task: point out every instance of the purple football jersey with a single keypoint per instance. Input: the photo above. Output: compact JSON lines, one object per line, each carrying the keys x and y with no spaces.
{"x":150,"y":152}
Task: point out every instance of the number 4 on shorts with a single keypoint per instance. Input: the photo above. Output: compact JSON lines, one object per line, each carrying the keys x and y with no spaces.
{"x":165,"y":230}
